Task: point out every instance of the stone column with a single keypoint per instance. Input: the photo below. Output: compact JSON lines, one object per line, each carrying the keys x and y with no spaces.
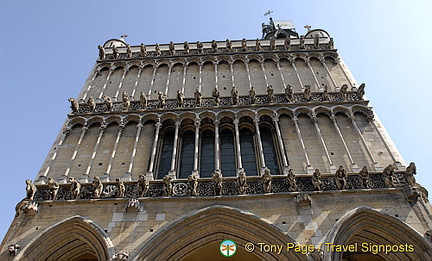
{"x":372,"y":120}
{"x":137,"y":136}
{"x":315,"y":122}
{"x":281,"y":145}
{"x":261,"y":61}
{"x":231,"y":63}
{"x":150,"y":172}
{"x":121,"y":83}
{"x":84,"y":178}
{"x":353,"y":164}
{"x":309,"y":167}
{"x":200,"y":65}
{"x":172,"y":172}
{"x":77,"y":146}
{"x":184,"y":76}
{"x":217,"y":149}
{"x":281,"y":74}
{"x":42,"y":178}
{"x":152,"y":80}
{"x":137,"y":80}
{"x":246,"y":62}
{"x":168,"y":78}
{"x":260,"y":147}
{"x":95,"y":73}
{"x":106,"y":82}
{"x":313,"y":73}
{"x":375,"y":163}
{"x":322,"y":60}
{"x":346,"y":74}
{"x":237,"y":145}
{"x":195,"y":171}
{"x":106,"y":176}
{"x":216,"y":74}
{"x":297,"y":74}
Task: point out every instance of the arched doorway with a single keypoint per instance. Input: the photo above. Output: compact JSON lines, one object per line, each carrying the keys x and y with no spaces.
{"x":378,"y":236}
{"x":199,"y":235}
{"x":76,"y":239}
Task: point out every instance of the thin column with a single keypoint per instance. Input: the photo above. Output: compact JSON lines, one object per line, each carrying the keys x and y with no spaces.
{"x":281,"y":75}
{"x":101,"y":132}
{"x":136,"y":82}
{"x":246,"y":62}
{"x":217,"y":149}
{"x":382,"y":138}
{"x":184,"y":77}
{"x":43,"y":176}
{"x":168,"y":79}
{"x":150,"y":172}
{"x":152,"y":80}
{"x":297,"y":74}
{"x":106,"y":82}
{"x":346,"y":75}
{"x":333,"y":119}
{"x":260,"y":147}
{"x":313,"y":73}
{"x":200,"y":64}
{"x":196,"y":154}
{"x":121,"y":83}
{"x":315,"y":121}
{"x":237,"y":144}
{"x":328,"y":72}
{"x":77,"y":146}
{"x":172,"y":172}
{"x":91,"y":83}
{"x":119,"y":133}
{"x":279,"y":138}
{"x":352,"y":119}
{"x":216,"y":74}
{"x":232,"y":71}
{"x":309,"y":167}
{"x":263,"y":69}
{"x":137,"y":136}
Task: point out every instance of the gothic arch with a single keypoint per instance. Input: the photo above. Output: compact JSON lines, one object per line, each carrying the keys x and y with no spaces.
{"x":364,"y":224}
{"x":211,"y":225}
{"x":75,"y":238}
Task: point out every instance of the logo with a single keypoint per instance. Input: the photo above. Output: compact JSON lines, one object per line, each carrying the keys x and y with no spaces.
{"x":228,"y":248}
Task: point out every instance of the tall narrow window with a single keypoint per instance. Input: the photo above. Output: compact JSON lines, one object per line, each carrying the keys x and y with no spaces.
{"x":270,"y":156}
{"x":187,"y":154}
{"x":248,"y":152}
{"x":207,"y":154}
{"x":227,"y":153}
{"x":166,"y":154}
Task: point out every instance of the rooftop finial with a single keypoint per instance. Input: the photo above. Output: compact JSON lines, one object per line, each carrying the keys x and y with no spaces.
{"x":268,"y":13}
{"x":308,"y":27}
{"x":122,"y":37}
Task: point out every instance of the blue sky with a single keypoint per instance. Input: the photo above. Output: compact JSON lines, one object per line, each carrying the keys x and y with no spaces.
{"x":49,"y":47}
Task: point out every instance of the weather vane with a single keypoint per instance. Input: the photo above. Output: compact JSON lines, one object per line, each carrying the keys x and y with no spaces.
{"x":268,"y":13}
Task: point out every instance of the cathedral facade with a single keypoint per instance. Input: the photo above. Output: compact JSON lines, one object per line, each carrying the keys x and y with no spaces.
{"x":170,"y":149}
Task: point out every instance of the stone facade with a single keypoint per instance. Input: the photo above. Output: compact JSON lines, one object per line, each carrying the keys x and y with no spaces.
{"x":171,"y":148}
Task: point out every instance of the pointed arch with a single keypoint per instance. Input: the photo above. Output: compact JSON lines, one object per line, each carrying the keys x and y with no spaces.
{"x":211,"y":225}
{"x":366,"y":225}
{"x":74,"y":238}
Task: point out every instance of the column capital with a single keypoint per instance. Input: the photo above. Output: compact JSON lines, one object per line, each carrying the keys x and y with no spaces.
{"x":140,"y":125}
{"x":236,"y":121}
{"x":294,"y":120}
{"x":177,"y":124}
{"x":275,"y":117}
{"x":333,"y":118}
{"x":158,"y":124}
{"x":314,"y":119}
